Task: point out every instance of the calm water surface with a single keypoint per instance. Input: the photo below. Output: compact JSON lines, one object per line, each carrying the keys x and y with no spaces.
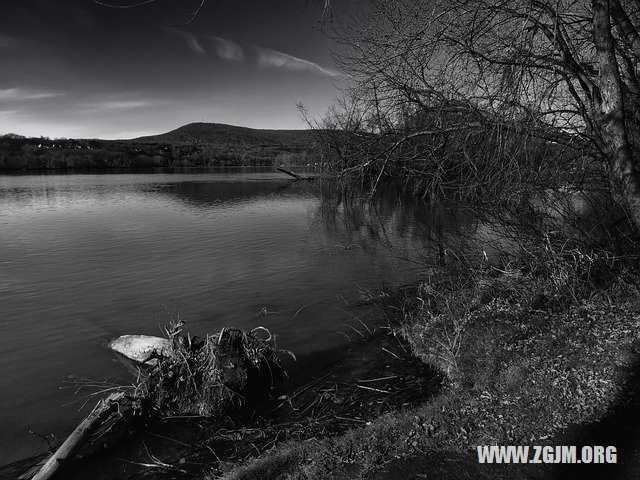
{"x":86,"y":258}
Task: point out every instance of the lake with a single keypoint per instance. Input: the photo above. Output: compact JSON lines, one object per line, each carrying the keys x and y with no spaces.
{"x":85,"y":258}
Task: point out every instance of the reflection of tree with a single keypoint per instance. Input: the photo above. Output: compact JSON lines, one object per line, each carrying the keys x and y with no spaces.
{"x":210,"y":193}
{"x":408,"y":227}
{"x":435,"y":233}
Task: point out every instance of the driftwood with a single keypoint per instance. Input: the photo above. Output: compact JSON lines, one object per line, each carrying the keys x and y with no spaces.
{"x":78,"y":437}
{"x":190,"y":376}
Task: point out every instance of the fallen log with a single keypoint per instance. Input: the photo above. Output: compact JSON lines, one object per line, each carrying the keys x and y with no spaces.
{"x":294,"y":175}
{"x":79,"y":436}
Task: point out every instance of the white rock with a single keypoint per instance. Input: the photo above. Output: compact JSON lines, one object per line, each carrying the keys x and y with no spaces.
{"x":141,"y":348}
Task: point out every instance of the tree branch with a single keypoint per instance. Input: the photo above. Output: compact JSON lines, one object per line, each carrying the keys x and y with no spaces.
{"x":132,"y":5}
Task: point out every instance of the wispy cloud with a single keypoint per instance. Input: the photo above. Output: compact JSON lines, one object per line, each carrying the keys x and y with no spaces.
{"x":213,"y":46}
{"x":7,"y":42}
{"x":227,"y":49}
{"x":268,"y":58}
{"x":192,"y":42}
{"x":124,"y":134}
{"x":117,"y":104}
{"x":19,"y":94}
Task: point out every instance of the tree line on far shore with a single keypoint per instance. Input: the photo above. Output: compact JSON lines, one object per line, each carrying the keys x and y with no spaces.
{"x":20,"y":153}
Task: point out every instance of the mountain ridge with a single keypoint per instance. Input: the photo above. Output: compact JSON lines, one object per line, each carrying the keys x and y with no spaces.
{"x":205,"y":132}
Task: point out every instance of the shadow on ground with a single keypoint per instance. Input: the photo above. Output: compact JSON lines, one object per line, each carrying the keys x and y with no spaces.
{"x":620,"y":427}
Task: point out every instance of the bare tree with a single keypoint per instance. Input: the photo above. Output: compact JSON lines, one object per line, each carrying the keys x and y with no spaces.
{"x":564,"y":71}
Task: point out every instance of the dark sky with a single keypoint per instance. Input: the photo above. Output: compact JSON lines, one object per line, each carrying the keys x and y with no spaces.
{"x":71,"y":68}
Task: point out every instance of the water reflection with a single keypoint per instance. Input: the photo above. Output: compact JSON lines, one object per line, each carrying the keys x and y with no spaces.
{"x":206,"y":193}
{"x":427,"y":235}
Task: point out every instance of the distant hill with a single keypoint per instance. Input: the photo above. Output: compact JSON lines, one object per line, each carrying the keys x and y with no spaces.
{"x":219,"y":133}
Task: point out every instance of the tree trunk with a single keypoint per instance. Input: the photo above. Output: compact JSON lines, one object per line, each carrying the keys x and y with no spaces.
{"x":610,"y":114}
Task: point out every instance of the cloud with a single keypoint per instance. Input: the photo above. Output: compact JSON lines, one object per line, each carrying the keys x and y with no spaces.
{"x":268,"y":58}
{"x":192,"y":42}
{"x":19,"y":94}
{"x":215,"y":46}
{"x":7,"y":42}
{"x":125,"y":134}
{"x":117,"y":104}
{"x":227,"y":49}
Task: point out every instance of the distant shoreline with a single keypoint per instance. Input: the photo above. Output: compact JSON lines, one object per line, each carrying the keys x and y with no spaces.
{"x":194,"y":145}
{"x":146,"y":170}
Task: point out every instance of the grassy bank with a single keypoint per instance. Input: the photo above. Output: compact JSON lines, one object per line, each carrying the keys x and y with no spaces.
{"x":529,"y":352}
